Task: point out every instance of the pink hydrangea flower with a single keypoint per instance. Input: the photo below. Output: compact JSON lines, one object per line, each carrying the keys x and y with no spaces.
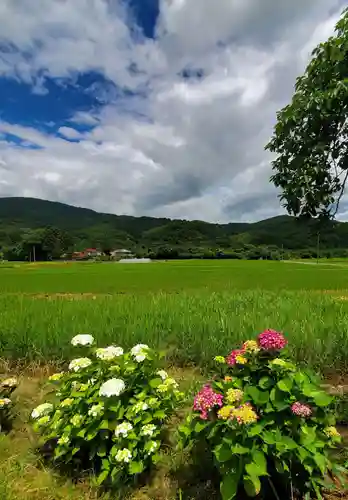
{"x":231,"y":358}
{"x":206,"y":399}
{"x":301,"y":410}
{"x":270,"y":340}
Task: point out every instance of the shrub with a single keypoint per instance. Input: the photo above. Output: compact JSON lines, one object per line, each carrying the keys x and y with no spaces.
{"x":7,"y":386}
{"x":268,"y":424}
{"x":108,"y":412}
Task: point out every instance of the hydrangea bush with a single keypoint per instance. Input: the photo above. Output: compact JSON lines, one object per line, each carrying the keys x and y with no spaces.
{"x":109,"y":410}
{"x":268,"y":424}
{"x":7,"y":387}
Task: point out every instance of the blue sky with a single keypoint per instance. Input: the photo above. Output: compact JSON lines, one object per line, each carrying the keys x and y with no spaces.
{"x":150,"y":107}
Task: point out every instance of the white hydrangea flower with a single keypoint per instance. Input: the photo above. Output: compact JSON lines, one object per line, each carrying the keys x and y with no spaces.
{"x":109,"y":353}
{"x":79,"y":363}
{"x":10,"y":382}
{"x":167,"y":385}
{"x":139,"y":352}
{"x":123,"y":429}
{"x":77,"y":420}
{"x":56,"y":377}
{"x":151,"y":447}
{"x":84,"y":340}
{"x":112,"y":387}
{"x":4,"y":402}
{"x":140,"y":406}
{"x":42,"y":410}
{"x":148,"y":430}
{"x":163,"y":374}
{"x":64,"y":440}
{"x":96,"y":410}
{"x":123,"y":456}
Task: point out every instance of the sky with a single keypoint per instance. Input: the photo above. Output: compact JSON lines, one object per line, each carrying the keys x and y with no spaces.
{"x":151,"y":107}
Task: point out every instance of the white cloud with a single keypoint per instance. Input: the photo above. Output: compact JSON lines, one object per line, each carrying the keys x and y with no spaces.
{"x":200,"y":152}
{"x":69,"y":133}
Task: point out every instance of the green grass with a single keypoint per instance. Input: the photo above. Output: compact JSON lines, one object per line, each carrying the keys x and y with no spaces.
{"x":193,"y":309}
{"x":112,"y":278}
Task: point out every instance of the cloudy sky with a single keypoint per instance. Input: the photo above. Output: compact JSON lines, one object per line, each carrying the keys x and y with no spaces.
{"x":150,"y":107}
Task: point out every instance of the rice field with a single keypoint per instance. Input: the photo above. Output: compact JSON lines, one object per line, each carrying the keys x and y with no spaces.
{"x":193,"y":309}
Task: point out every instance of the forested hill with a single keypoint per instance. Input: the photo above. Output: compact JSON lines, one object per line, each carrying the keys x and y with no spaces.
{"x":20,"y":218}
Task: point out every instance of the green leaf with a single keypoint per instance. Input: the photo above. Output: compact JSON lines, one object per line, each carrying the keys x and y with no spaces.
{"x":200,"y":426}
{"x":268,"y":437}
{"x":223,"y":453}
{"x":322,"y":399}
{"x":260,"y":460}
{"x":320,"y":460}
{"x":259,"y":397}
{"x":136,"y":467}
{"x":278,"y":399}
{"x":102,"y":477}
{"x":185,"y":430}
{"x":252,"y":485}
{"x":238,"y":449}
{"x":160,"y":414}
{"x":265,"y":382}
{"x":104,"y":425}
{"x":285,"y":384}
{"x":155,"y":382}
{"x":229,"y":486}
{"x":255,"y":430}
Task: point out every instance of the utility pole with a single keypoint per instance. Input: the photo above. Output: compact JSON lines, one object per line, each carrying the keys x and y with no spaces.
{"x":34,"y":256}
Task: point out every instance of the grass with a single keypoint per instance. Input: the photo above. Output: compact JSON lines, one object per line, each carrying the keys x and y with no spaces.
{"x":171,"y":277}
{"x":194,"y":309}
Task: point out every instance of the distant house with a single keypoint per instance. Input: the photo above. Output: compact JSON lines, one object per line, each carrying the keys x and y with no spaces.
{"x":121,"y":253}
{"x":88,"y":253}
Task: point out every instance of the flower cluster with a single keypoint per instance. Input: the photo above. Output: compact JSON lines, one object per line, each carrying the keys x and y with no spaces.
{"x":234,"y":396}
{"x":112,"y":387}
{"x":79,"y":364}
{"x":236,"y":357}
{"x":140,"y":352}
{"x":225,"y":412}
{"x":270,"y":340}
{"x":83,"y":340}
{"x":123,"y":429}
{"x":244,"y":414}
{"x":7,"y":386}
{"x":109,"y":353}
{"x":207,"y":399}
{"x":301,"y":410}
{"x":251,"y":346}
{"x":332,"y":432}
{"x":108,"y":402}
{"x":4,"y":402}
{"x":252,"y":407}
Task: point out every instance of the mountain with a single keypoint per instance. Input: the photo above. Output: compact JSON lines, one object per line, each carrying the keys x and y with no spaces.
{"x":87,"y":228}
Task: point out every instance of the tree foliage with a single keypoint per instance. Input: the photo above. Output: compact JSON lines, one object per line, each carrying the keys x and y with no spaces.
{"x":311,"y":135}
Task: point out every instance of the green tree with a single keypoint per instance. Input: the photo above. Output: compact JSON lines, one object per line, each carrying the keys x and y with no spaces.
{"x":311,"y":135}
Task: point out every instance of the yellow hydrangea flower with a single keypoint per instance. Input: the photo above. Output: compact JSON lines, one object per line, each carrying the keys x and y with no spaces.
{"x":245,"y":414}
{"x":220,"y":359}
{"x":241,"y":360}
{"x":225,"y":412}
{"x":234,"y":396}
{"x":332,"y":432}
{"x":251,"y":346}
